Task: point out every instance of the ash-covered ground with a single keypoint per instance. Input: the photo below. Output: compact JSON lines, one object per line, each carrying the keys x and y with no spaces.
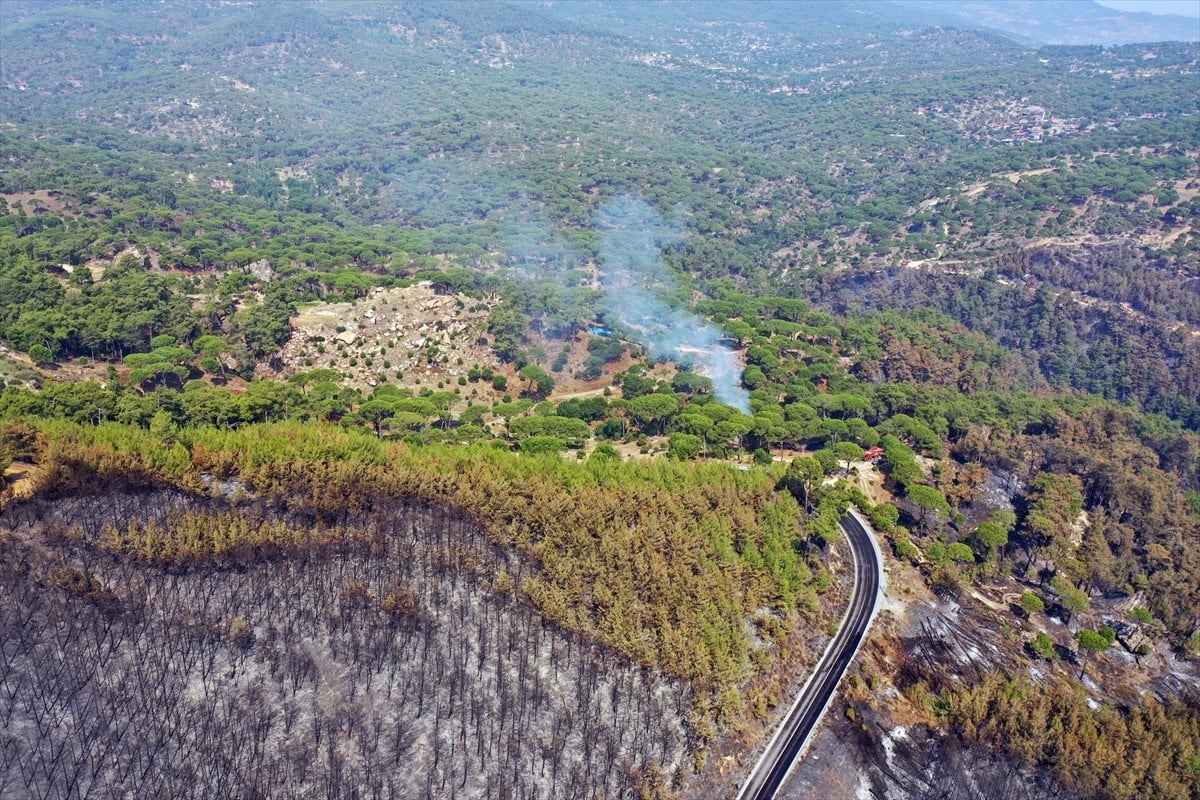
{"x":390,"y":666}
{"x":885,"y":752}
{"x":876,"y":744}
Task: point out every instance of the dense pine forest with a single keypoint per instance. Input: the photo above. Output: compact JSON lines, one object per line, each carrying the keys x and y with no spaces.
{"x":430,"y":399}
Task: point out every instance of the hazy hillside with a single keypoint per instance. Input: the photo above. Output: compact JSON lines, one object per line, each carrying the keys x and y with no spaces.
{"x":436,"y":399}
{"x":1077,"y":22}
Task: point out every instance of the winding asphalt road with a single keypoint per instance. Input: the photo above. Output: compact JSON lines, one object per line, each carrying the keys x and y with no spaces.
{"x":793,"y":736}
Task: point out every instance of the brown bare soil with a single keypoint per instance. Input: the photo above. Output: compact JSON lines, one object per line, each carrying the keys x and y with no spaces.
{"x":427,"y":337}
{"x":566,"y":385}
{"x":40,"y":201}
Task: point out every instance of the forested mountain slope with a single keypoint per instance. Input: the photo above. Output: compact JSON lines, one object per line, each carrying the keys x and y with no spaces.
{"x":1077,"y":22}
{"x":826,"y":141}
{"x":525,"y":353}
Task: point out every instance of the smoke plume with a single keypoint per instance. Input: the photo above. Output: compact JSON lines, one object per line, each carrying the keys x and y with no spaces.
{"x":637,"y":284}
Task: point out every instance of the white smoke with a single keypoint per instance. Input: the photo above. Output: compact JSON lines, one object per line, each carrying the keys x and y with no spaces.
{"x":636,"y":284}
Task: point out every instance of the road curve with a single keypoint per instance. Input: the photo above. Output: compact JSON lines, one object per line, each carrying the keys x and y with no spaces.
{"x":793,"y":735}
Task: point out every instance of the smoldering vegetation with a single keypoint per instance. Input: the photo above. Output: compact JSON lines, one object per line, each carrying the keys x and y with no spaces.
{"x":389,"y":657}
{"x":635,"y":290}
{"x":637,"y":285}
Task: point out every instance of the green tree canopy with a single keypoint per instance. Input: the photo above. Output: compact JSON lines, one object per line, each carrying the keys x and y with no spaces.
{"x":651,"y":411}
{"x":684,"y":446}
{"x":1032,"y":603}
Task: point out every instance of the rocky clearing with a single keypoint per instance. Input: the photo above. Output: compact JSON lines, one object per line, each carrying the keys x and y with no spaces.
{"x":410,"y":336}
